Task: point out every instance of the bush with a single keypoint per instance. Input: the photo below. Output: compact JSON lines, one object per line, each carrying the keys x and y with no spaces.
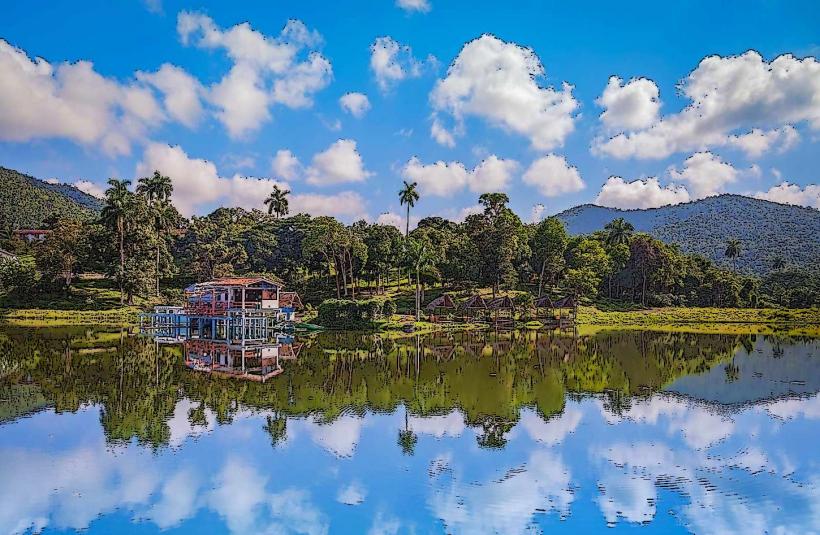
{"x":347,"y":314}
{"x":18,"y":278}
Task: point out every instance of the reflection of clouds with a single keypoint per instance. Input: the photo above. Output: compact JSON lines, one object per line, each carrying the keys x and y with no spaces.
{"x":788,"y":409}
{"x":451,"y":424}
{"x":507,"y":504}
{"x":352,"y":494}
{"x":68,"y":490}
{"x":554,"y":430}
{"x":732,"y":484}
{"x":384,"y":525}
{"x":339,"y":437}
{"x":181,"y":428}
{"x":177,"y":501}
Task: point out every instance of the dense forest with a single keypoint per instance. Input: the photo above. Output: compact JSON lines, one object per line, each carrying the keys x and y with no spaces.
{"x":142,"y":244}
{"x":768,"y":230}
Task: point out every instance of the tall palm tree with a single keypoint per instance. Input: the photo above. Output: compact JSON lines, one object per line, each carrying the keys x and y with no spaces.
{"x":733,"y":250}
{"x":118,"y":201}
{"x":419,"y":257}
{"x":277,"y":202}
{"x":619,"y":231}
{"x":408,"y":195}
{"x":157,"y":189}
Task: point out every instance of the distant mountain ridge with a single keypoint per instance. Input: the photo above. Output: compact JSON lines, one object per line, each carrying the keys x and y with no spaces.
{"x":766,"y":229}
{"x":26,"y":202}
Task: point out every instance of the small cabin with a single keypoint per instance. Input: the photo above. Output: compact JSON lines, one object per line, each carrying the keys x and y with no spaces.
{"x":233,"y":293}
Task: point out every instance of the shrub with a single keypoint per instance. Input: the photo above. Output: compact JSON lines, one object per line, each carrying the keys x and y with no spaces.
{"x":347,"y":314}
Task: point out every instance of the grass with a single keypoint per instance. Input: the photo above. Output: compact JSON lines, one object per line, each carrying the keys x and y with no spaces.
{"x":685,"y":315}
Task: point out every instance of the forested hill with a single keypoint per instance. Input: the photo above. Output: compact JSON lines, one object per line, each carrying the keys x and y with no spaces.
{"x":25,"y":202}
{"x":766,"y":229}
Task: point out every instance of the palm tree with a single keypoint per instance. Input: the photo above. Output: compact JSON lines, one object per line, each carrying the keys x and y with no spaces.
{"x":619,"y":231}
{"x":733,"y":250}
{"x":407,"y":438}
{"x":408,"y":195}
{"x":778,"y":263}
{"x":277,"y":202}
{"x":118,"y":202}
{"x":420,"y":258}
{"x":157,"y":189}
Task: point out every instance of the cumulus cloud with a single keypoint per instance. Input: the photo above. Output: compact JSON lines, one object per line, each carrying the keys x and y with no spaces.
{"x":553,"y":176}
{"x":392,"y":62}
{"x":340,"y":163}
{"x":181,"y":92}
{"x":537,"y":212}
{"x":443,"y":179}
{"x":787,"y":193}
{"x":630,"y":106}
{"x":706,"y":174}
{"x":198,"y":185}
{"x":397,"y":220}
{"x":441,"y":135}
{"x":265,"y":71}
{"x":86,"y":186}
{"x":422,"y":6}
{"x":356,"y":104}
{"x":286,"y":165}
{"x":497,"y":81}
{"x":72,"y":101}
{"x":618,"y":193}
{"x":742,"y":101}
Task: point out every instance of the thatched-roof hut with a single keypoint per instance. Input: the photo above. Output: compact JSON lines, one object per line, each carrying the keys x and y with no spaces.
{"x":503,"y":308}
{"x":474,"y":305}
{"x":444,"y":301}
{"x":546,"y":307}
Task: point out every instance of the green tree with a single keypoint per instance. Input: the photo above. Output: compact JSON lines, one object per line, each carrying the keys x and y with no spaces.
{"x":59,"y":256}
{"x":419,"y":258}
{"x":587,"y":264}
{"x":118,"y":203}
{"x":408,"y":195}
{"x":277,"y":202}
{"x":547,"y":244}
{"x":733,"y":251}
{"x":158,"y":189}
{"x":619,"y":231}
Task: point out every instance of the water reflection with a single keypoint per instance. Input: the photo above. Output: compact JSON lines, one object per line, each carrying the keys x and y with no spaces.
{"x":463,"y":433}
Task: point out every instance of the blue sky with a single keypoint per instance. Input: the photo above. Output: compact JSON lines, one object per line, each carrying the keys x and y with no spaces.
{"x":242,"y":94}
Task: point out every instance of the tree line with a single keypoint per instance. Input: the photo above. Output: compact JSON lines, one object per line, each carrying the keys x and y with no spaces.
{"x":145,"y":247}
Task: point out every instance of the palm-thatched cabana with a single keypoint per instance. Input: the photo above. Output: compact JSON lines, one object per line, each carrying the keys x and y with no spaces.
{"x":566,"y":307}
{"x":475,"y":305}
{"x":440,"y":305}
{"x":503,"y":307}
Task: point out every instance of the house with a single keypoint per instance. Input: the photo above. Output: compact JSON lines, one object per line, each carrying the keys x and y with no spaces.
{"x":32,"y":235}
{"x":233,"y":294}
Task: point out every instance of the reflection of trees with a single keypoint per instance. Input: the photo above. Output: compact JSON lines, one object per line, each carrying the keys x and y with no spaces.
{"x":407,"y":438}
{"x":488,"y":376}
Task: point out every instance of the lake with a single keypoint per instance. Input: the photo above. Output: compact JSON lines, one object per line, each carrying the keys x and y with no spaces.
{"x":482,"y":432}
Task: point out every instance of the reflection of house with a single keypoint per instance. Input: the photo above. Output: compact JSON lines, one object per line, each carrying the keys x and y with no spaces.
{"x":254,"y":362}
{"x":32,"y":235}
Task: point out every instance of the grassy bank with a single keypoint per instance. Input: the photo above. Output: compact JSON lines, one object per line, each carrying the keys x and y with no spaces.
{"x":681,"y":315}
{"x":34,"y":317}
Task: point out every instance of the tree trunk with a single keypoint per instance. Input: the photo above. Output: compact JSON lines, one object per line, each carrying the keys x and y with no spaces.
{"x":643,"y":292}
{"x":418,"y":297}
{"x":121,"y":231}
{"x":407,"y":228}
{"x":541,"y":277}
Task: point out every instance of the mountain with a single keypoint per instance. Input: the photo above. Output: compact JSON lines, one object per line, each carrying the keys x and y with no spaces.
{"x":766,"y":229}
{"x":26,"y":202}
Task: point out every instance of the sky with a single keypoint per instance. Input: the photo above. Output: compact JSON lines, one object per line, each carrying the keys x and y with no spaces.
{"x":630,"y":105}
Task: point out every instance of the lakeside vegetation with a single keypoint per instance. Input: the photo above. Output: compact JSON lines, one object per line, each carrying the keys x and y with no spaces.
{"x":144,"y":252}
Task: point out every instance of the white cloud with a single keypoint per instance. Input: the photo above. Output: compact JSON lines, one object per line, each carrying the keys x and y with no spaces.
{"x":392,"y":62}
{"x":339,"y":437}
{"x":197,"y":184}
{"x":787,"y":193}
{"x":422,"y":6}
{"x":491,"y":175}
{"x":537,"y":212}
{"x":71,"y":101}
{"x":266,"y":70}
{"x":340,"y":163}
{"x":443,"y":179}
{"x":397,"y":220}
{"x":181,"y":92}
{"x":86,"y":186}
{"x":496,"y":81}
{"x":630,"y":106}
{"x":441,"y":135}
{"x":706,"y":174}
{"x":352,"y":494}
{"x":356,"y":104}
{"x":451,"y":424}
{"x":286,"y":165}
{"x":554,"y":430}
{"x":738,"y":100}
{"x":553,"y":176}
{"x":617,"y":193}
{"x":757,"y":142}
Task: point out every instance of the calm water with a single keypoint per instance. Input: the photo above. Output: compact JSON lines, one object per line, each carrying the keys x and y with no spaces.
{"x":509,"y":433}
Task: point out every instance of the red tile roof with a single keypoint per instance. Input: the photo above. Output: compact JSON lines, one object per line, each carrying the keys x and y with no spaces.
{"x":289,"y":299}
